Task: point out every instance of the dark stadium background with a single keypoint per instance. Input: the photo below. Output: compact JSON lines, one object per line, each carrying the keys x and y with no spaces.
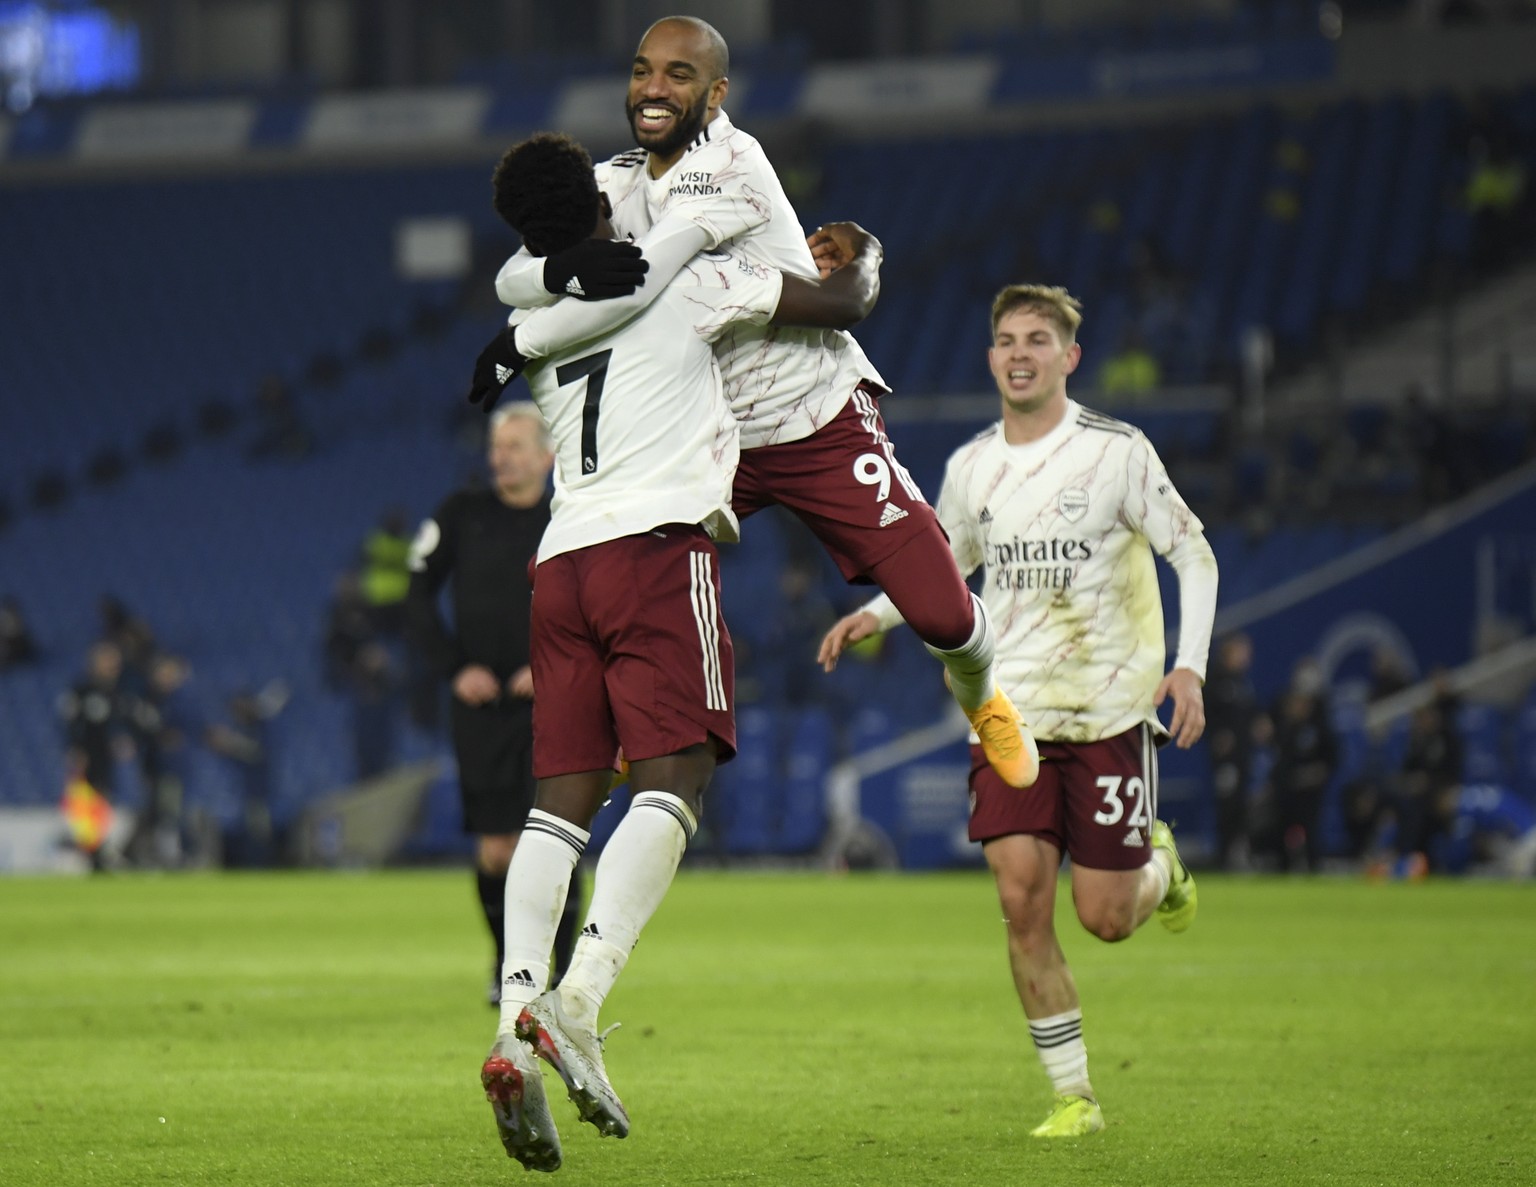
{"x":247,"y":246}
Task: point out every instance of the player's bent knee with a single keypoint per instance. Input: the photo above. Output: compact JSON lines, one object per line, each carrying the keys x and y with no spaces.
{"x":1110,"y":922}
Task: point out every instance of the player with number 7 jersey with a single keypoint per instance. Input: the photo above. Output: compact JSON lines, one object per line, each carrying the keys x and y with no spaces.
{"x":627,"y":644}
{"x":813,"y":440}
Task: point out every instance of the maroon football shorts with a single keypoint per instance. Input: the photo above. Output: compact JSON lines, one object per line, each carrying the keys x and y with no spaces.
{"x":844,"y":483}
{"x":1095,"y":801}
{"x":629,"y":649}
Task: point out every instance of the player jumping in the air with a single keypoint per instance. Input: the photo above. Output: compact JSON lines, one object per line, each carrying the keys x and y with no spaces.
{"x":1063,"y":507}
{"x":812,"y":437}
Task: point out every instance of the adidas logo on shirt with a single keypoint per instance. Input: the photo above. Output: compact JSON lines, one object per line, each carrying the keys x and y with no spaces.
{"x":985,"y":516}
{"x":573,"y":286}
{"x":891,"y":514}
{"x":522,"y":978}
{"x":503,"y":373}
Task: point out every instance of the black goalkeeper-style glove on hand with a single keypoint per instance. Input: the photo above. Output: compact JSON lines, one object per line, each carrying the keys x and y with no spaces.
{"x":498,"y":365}
{"x":596,"y":269}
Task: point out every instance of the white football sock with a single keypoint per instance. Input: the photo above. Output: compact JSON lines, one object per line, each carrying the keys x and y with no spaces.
{"x":632,"y":878}
{"x":1059,"y":1043}
{"x":1161,"y":862}
{"x":971,"y":679}
{"x":537,"y":882}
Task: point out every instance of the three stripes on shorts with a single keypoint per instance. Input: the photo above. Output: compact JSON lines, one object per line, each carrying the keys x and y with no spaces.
{"x":706,"y":616}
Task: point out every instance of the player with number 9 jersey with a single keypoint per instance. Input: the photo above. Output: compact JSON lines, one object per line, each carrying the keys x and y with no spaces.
{"x":812,"y":435}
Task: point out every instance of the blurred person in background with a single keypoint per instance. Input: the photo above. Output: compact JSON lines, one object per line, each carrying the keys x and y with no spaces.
{"x":167,"y":723}
{"x":360,"y":668}
{"x":1430,"y":780}
{"x":482,"y":540}
{"x":97,"y":723}
{"x":1365,"y":806}
{"x":246,"y":741}
{"x":1231,"y":712}
{"x":348,"y":629}
{"x":375,"y":686}
{"x":1389,"y":674}
{"x":1306,"y":750}
{"x":1495,"y":198}
{"x":385,"y":575}
{"x":17,"y":644}
{"x":1132,"y":373}
{"x":1063,"y":508}
{"x":134,"y":640}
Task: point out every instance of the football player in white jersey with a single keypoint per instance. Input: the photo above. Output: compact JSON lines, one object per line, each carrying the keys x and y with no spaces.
{"x":627,"y":645}
{"x":1063,"y":507}
{"x":812,"y":437}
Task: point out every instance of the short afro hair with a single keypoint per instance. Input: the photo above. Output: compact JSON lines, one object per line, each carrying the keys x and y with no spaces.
{"x":545,"y":190}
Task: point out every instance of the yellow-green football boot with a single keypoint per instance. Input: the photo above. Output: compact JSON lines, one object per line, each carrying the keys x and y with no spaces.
{"x":1071,"y":1117}
{"x":1177,"y":910}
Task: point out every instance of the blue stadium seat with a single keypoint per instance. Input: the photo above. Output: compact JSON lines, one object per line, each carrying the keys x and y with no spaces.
{"x":812,"y":749}
{"x":748,"y":796}
{"x":1525,"y":750}
{"x":1484,"y":757}
{"x":240,"y":579}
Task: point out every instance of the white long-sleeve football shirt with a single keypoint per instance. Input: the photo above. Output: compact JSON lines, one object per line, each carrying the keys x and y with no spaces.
{"x":1065,"y":528}
{"x":783,"y":382}
{"x":643,"y":435}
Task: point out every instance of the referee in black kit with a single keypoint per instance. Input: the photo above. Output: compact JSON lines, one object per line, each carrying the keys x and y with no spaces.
{"x":484,"y":538}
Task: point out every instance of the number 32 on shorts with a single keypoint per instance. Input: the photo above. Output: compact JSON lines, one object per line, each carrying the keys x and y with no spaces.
{"x":1115,"y":798}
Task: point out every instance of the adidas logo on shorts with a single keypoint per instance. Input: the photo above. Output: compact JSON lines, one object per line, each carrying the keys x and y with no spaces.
{"x":891,"y":514}
{"x":1133,"y":839}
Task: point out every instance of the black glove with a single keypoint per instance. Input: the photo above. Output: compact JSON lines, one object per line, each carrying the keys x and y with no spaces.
{"x":498,"y":365}
{"x":595,"y":270}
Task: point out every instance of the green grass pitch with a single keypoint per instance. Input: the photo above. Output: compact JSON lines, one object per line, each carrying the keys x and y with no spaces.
{"x":778,"y":1029}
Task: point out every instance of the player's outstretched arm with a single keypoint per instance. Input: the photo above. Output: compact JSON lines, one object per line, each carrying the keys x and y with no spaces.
{"x":854,"y":628}
{"x":666,"y":247}
{"x":595,"y":270}
{"x":849,"y":262}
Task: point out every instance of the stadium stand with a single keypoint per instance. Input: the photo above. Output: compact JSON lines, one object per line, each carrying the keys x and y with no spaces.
{"x":153,"y":302}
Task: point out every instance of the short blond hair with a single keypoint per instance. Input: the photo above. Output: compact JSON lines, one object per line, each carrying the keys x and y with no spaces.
{"x":1050,"y":301}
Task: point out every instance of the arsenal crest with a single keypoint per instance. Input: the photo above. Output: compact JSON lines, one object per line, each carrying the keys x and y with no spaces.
{"x":1073,"y":504}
